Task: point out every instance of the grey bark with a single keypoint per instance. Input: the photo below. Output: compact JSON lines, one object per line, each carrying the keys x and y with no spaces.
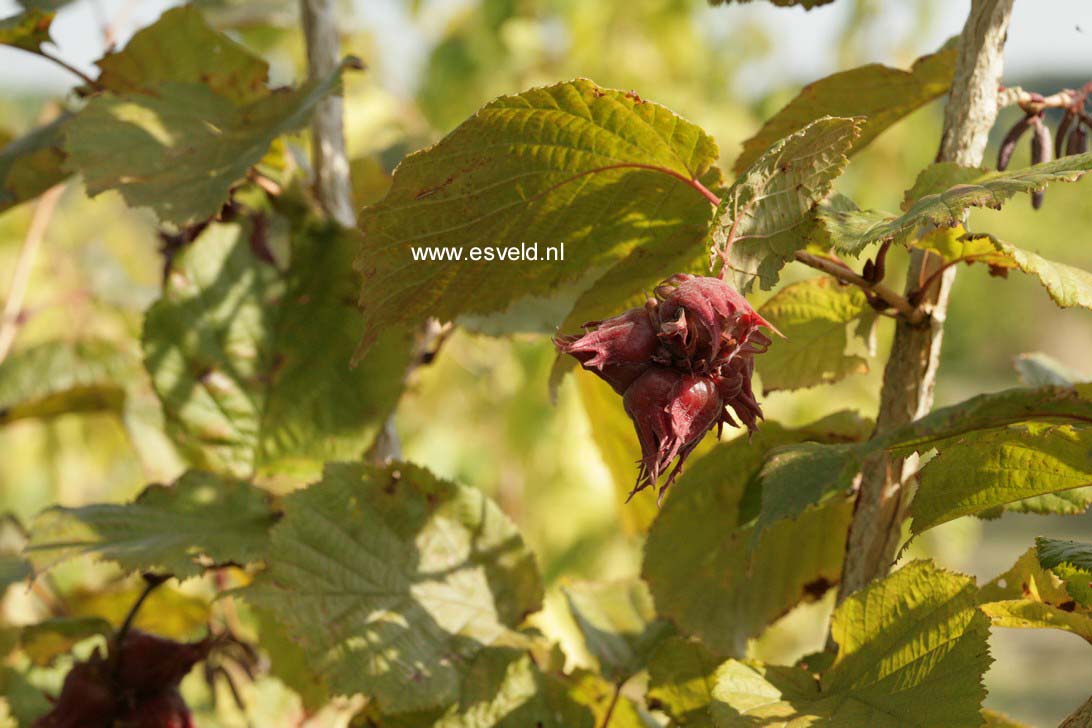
{"x":910,"y":374}
{"x":333,"y":186}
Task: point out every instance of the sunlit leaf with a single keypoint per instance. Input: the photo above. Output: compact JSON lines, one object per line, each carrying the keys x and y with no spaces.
{"x":881,"y":94}
{"x":619,"y":624}
{"x":180,"y":47}
{"x":178,"y":148}
{"x":764,"y":217}
{"x":44,"y":642}
{"x":31,"y":164}
{"x":814,"y":316}
{"x":200,"y":519}
{"x":911,"y":651}
{"x":1028,"y":596}
{"x":698,"y":562}
{"x":392,"y":581}
{"x":27,"y":30}
{"x":985,"y":469}
{"x":64,"y":377}
{"x":852,"y":231}
{"x":570,"y":163}
{"x":252,"y":363}
{"x":796,"y":477}
{"x":167,"y":611}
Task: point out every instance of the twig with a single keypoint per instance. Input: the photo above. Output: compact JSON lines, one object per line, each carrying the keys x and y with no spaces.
{"x":13,"y":307}
{"x":613,"y":704}
{"x":841,"y":272}
{"x":68,"y":67}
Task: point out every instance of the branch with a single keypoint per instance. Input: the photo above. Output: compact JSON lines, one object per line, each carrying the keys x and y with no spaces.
{"x":333,"y":186}
{"x":910,"y":374}
{"x":847,"y":275}
{"x":12,"y":317}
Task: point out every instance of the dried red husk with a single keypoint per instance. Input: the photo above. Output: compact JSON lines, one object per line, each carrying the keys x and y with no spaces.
{"x":680,"y":363}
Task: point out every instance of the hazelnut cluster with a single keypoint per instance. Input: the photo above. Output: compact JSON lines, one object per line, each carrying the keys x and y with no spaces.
{"x":679,"y":363}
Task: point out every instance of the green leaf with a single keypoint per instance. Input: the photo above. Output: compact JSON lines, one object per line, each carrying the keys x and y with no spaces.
{"x":252,"y":364}
{"x":1054,"y":552}
{"x":697,"y":555}
{"x":32,"y":164}
{"x":392,"y":581}
{"x":985,"y":469}
{"x":1037,"y":369}
{"x":880,"y":94}
{"x":27,"y":30}
{"x":619,"y":624}
{"x":570,"y":163}
{"x":764,"y":219}
{"x":1027,"y":596}
{"x":1000,"y":720}
{"x":806,"y":4}
{"x":179,"y":148}
{"x":44,"y":642}
{"x":814,"y":316}
{"x":1066,"y":285}
{"x":200,"y":519}
{"x":912,"y":650}
{"x":796,"y":477}
{"x":167,"y":611}
{"x":65,"y":377}
{"x":851,"y":232}
{"x":180,"y":47}
{"x":13,"y":567}
{"x":681,"y":680}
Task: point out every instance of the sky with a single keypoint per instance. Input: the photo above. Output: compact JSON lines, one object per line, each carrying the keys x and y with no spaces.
{"x":1046,"y":37}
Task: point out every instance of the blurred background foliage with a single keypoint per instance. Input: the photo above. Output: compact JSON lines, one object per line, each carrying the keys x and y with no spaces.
{"x":482,"y":413}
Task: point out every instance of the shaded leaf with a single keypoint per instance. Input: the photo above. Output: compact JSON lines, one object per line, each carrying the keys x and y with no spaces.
{"x":44,"y":642}
{"x":27,"y":30}
{"x":680,"y":681}
{"x":880,"y":94}
{"x":65,"y":377}
{"x":764,"y":217}
{"x":814,"y":316}
{"x":618,"y":622}
{"x":185,"y":146}
{"x":1054,"y":552}
{"x":559,"y":164}
{"x":252,"y":364}
{"x":177,"y":529}
{"x":852,"y":232}
{"x":912,"y":649}
{"x":806,"y":4}
{"x":392,"y":581}
{"x":32,"y":163}
{"x":1037,"y":369}
{"x":697,"y":562}
{"x":180,"y":47}
{"x":14,"y":568}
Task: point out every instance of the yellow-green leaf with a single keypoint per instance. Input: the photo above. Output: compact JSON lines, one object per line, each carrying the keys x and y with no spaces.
{"x":814,"y":315}
{"x":571,"y":164}
{"x":881,"y":94}
{"x":764,"y":218}
{"x":27,"y":30}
